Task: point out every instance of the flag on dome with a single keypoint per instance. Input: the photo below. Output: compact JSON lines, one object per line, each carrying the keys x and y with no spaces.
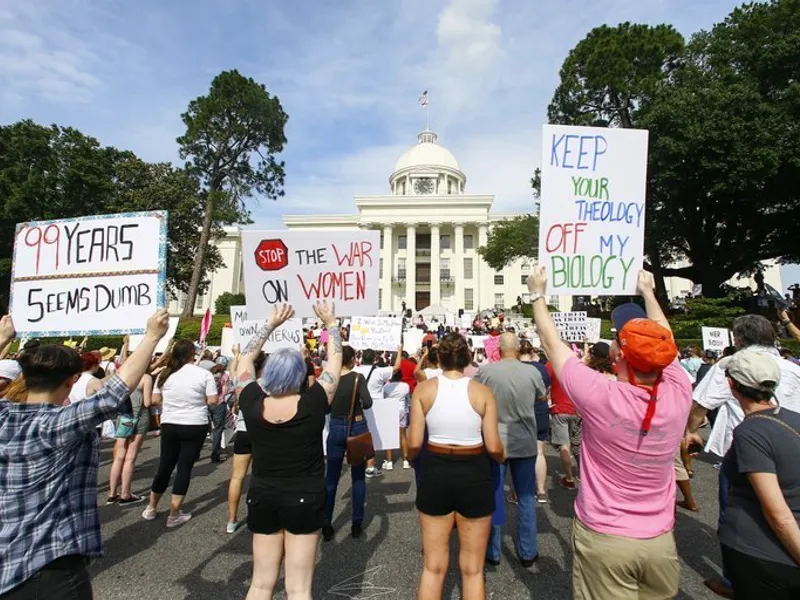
{"x":423,"y":98}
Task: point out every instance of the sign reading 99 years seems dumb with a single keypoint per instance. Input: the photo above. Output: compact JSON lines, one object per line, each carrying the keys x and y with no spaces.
{"x":89,"y":275}
{"x":591,"y":222}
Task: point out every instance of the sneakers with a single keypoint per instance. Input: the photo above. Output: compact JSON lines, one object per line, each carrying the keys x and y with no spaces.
{"x":568,"y":483}
{"x":112,"y":500}
{"x":134,"y":499}
{"x":406,"y":464}
{"x":231,"y":527}
{"x":387,"y":465}
{"x":179,"y":519}
{"x":356,"y":530}
{"x":542,"y":499}
{"x":149,"y":514}
{"x":372,"y":472}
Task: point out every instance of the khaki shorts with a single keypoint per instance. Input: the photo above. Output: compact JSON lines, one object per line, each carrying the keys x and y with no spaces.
{"x":613,"y":567}
{"x":565,"y":430}
{"x":681,"y":474}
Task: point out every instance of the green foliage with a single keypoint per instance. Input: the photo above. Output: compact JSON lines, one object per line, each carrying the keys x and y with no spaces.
{"x":232,"y":137}
{"x":705,"y":312}
{"x":189,"y":329}
{"x":612,"y":73}
{"x":511,"y":239}
{"x":224,"y":301}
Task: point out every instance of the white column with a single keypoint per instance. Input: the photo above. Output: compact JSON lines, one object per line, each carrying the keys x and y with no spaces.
{"x":436,"y":281}
{"x":457,"y":266}
{"x":486,"y":279}
{"x":411,"y":267}
{"x":386,"y":276}
{"x":408,"y":185}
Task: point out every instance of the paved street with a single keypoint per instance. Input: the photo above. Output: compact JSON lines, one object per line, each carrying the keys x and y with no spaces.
{"x":198,"y":561}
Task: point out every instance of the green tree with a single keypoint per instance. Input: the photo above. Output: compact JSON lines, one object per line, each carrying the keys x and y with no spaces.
{"x":232,"y":138}
{"x":511,"y":239}
{"x":609,"y":79}
{"x":223,"y":303}
{"x":724,"y":156}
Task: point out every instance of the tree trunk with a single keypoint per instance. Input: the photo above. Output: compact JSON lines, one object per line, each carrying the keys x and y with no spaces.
{"x":658,"y":275}
{"x":199,"y":257}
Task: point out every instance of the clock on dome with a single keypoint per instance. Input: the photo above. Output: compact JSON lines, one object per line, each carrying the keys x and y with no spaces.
{"x":424,"y":186}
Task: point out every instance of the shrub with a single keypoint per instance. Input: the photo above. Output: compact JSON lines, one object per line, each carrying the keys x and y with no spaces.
{"x":222,"y":305}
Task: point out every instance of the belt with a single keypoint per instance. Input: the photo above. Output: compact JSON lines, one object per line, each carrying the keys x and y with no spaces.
{"x":455,"y":450}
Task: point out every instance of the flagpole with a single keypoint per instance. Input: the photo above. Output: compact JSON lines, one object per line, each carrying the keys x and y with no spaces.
{"x":428,"y":112}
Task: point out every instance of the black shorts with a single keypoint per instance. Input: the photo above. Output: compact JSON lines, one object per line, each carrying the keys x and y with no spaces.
{"x":270,"y":511}
{"x":241,"y":443}
{"x":462,"y":484}
{"x":542,"y":412}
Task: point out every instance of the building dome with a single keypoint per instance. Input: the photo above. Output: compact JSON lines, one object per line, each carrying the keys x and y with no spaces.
{"x":427,"y":153}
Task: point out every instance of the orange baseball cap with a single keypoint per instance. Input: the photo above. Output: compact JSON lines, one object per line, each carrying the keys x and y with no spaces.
{"x":647,"y":346}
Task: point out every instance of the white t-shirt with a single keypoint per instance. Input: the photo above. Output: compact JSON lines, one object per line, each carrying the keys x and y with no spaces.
{"x":80,"y":389}
{"x":183,"y":396}
{"x":397,"y":390}
{"x":432,"y":373}
{"x":109,"y":367}
{"x":380,"y":377}
{"x":714,"y":392}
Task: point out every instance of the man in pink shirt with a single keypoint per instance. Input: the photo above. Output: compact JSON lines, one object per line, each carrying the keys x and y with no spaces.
{"x":625,"y":511}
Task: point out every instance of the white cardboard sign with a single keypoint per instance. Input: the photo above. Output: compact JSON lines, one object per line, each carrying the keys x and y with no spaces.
{"x":89,"y":275}
{"x":592,"y":216}
{"x":377,"y":333}
{"x":302,"y":267}
{"x":288,"y":335}
{"x":572,"y":326}
{"x":716,"y":338}
{"x":593,"y":330}
{"x":163,"y":345}
{"x":412,"y":340}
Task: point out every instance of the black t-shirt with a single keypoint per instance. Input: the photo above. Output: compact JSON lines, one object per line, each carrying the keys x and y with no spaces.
{"x":702,"y":372}
{"x":760,"y":445}
{"x":340,"y":407}
{"x":287,"y":456}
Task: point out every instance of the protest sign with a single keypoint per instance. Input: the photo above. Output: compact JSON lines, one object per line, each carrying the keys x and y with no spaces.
{"x":716,"y":339}
{"x":491,"y":347}
{"x":478,"y":341}
{"x":572,"y":326}
{"x":226,"y":345}
{"x":90,"y":275}
{"x":163,"y":345}
{"x":288,"y":335}
{"x":593,"y":330}
{"x":302,"y":267}
{"x":412,"y":340}
{"x":377,"y":333}
{"x":591,"y":220}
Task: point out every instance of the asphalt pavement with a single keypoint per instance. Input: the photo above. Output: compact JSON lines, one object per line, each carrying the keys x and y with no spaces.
{"x":199,"y":561}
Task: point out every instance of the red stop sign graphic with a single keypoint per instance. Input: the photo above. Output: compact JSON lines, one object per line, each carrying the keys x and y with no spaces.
{"x":272,"y":255}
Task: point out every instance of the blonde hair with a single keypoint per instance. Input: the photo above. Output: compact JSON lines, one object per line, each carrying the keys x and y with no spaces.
{"x":17,"y":391}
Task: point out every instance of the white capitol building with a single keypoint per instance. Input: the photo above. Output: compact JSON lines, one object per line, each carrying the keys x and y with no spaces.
{"x":430,"y":229}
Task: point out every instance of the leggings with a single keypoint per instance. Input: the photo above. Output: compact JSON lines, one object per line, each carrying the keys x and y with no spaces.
{"x":180,"y":445}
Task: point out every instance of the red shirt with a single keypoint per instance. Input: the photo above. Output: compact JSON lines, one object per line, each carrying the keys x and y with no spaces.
{"x":407,"y":368}
{"x":562,"y":405}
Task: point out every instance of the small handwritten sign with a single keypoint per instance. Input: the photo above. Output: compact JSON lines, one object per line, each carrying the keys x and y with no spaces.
{"x":288,"y":335}
{"x":377,"y":333}
{"x":92,"y":275}
{"x":302,"y":267}
{"x":591,"y":232}
{"x":572,"y":326}
{"x":716,"y":338}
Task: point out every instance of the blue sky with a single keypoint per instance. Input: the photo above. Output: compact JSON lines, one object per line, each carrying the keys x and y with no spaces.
{"x":348,"y":73}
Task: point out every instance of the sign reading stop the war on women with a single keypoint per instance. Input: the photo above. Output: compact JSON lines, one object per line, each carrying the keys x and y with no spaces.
{"x":591,"y":222}
{"x":302,"y":267}
{"x":89,"y":275}
{"x":288,"y":335}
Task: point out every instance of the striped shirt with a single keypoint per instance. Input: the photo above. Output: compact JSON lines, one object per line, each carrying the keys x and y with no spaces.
{"x":48,"y":481}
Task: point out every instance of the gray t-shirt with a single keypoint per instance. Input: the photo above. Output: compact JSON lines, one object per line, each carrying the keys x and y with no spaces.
{"x":516,"y":386}
{"x":761,"y":446}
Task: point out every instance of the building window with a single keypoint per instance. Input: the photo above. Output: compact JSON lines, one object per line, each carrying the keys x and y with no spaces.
{"x":449,"y":186}
{"x":401,"y":242}
{"x":198,"y":305}
{"x":380,"y":299}
{"x":469,"y":299}
{"x":498,"y":280}
{"x":444,"y":269}
{"x":499,"y":301}
{"x":401,"y":268}
{"x":469,"y":242}
{"x":468,"y":268}
{"x":444,"y":242}
{"x":524,"y":280}
{"x":403,"y":188}
{"x":380,"y":267}
{"x":526,"y":267}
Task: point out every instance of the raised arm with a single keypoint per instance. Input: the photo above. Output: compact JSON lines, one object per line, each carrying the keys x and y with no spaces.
{"x":419,"y":370}
{"x":329,"y":380}
{"x":139,"y":361}
{"x":794,"y":332}
{"x":645,"y":285}
{"x":398,"y":361}
{"x":246,"y":370}
{"x":147,"y":391}
{"x":124,"y":351}
{"x":548,"y":334}
{"x":7,"y":334}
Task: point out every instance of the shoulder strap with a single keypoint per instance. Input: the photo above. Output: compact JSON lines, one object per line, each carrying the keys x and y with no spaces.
{"x":371,"y":371}
{"x":352,"y":404}
{"x":778,"y":421}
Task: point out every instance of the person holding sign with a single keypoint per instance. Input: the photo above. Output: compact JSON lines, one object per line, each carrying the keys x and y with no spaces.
{"x":286,"y":501}
{"x":632,"y":427}
{"x":51,"y":525}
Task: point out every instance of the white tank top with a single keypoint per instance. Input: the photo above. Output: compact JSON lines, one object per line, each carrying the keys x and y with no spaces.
{"x":452,"y":420}
{"x":79,"y":390}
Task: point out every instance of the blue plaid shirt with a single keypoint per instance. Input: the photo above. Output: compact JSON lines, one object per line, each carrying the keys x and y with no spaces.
{"x":48,"y":481}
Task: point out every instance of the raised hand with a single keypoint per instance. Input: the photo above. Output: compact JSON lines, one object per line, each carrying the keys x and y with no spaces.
{"x":280,"y":314}
{"x":158,"y":324}
{"x":537,"y":280}
{"x":7,"y":331}
{"x":645,"y":284}
{"x":326,"y":313}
